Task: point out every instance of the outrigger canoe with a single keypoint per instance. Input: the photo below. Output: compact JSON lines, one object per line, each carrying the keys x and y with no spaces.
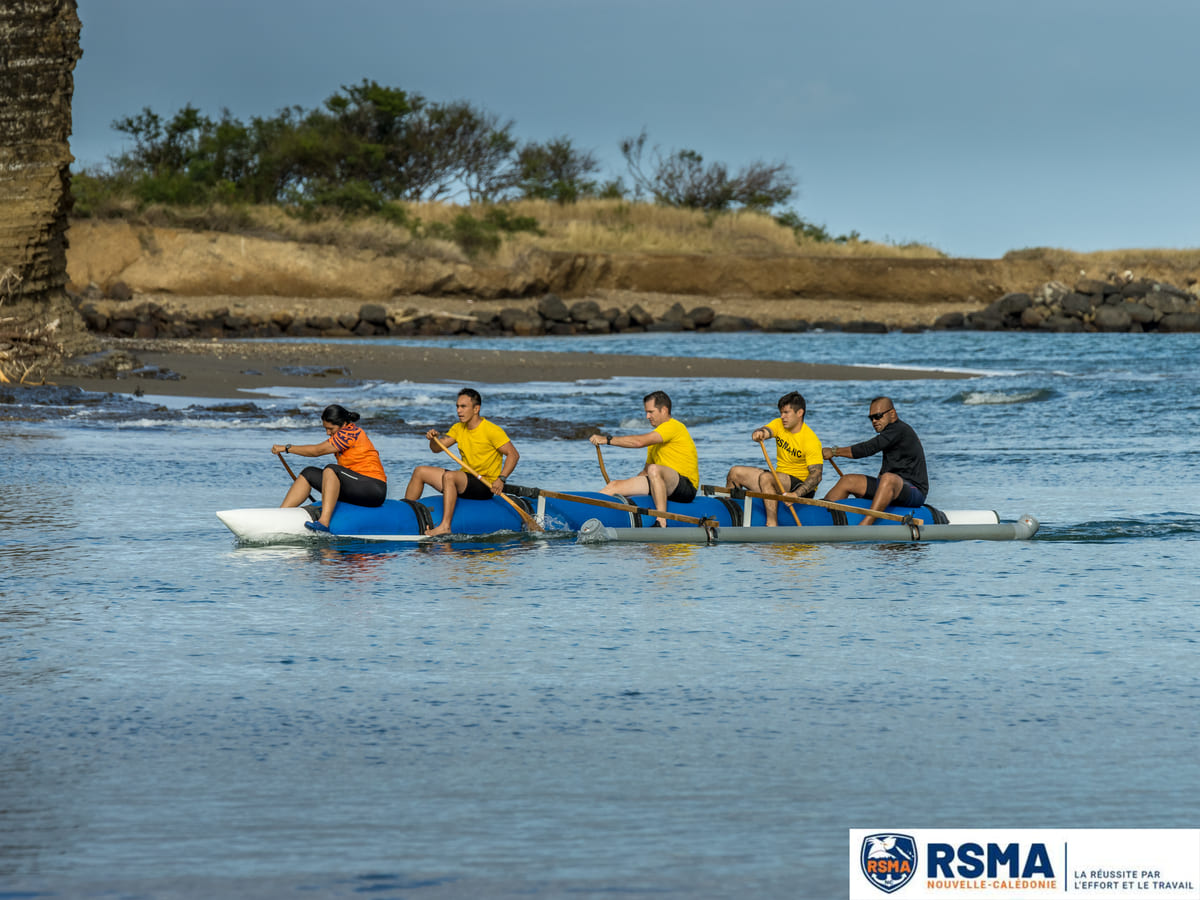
{"x":600,"y":517}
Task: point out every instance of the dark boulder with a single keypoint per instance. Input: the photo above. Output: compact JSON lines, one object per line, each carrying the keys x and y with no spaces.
{"x":552,"y":308}
{"x":1180,"y":322}
{"x":865,"y":326}
{"x":1011,"y":305}
{"x":597,"y":325}
{"x":1095,"y":287}
{"x":119,"y":290}
{"x":1062,"y":324}
{"x":1034,"y":316}
{"x":1077,"y":305}
{"x":1140,"y":313}
{"x":727,"y":323}
{"x":373,"y":314}
{"x":1112,"y":318}
{"x":1137,"y":288}
{"x":664,"y":325}
{"x":584,"y":311}
{"x":675,"y":314}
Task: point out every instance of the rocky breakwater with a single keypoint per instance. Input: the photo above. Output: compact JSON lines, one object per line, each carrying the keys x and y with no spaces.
{"x":122,"y":315}
{"x":1089,"y":306}
{"x":1120,"y":305}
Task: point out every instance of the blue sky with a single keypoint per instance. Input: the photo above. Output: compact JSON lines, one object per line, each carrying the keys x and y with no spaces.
{"x":977,"y":127}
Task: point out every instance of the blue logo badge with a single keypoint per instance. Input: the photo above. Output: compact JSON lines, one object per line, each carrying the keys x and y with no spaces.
{"x":889,"y":861}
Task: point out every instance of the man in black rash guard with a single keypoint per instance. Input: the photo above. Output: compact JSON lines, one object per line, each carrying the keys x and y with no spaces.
{"x":903,"y":479}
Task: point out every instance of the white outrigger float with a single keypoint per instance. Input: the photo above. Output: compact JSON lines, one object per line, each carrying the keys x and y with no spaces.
{"x":595,"y":517}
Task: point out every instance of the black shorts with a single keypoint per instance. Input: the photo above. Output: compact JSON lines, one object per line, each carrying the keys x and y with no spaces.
{"x":791,"y":483}
{"x":476,"y":489}
{"x":685,"y":492}
{"x":909,"y":495}
{"x":360,"y":490}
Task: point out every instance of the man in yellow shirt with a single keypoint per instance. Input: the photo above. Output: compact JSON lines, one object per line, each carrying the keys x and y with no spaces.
{"x":798,"y":458}
{"x":672,"y":470}
{"x":483,"y":446}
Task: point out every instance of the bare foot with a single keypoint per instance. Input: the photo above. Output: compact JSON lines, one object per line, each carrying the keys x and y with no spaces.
{"x":439,"y":529}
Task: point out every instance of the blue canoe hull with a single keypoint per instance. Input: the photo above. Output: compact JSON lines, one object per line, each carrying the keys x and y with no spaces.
{"x":475,"y":517}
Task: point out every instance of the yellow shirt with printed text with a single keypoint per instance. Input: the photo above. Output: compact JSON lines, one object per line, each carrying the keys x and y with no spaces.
{"x":794,"y":453}
{"x":677,"y":451}
{"x":480,"y":448}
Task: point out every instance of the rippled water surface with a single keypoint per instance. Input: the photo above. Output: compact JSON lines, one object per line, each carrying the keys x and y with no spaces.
{"x":180,"y":716}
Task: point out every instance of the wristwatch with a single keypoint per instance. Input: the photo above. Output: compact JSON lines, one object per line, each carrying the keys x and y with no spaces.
{"x":608,"y":439}
{"x":287,"y":448}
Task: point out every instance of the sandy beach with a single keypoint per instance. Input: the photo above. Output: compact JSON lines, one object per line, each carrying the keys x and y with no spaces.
{"x":225,"y":369}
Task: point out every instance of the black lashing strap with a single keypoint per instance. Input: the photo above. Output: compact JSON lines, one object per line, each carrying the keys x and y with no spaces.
{"x":517,"y":490}
{"x":939,"y":517}
{"x":424,"y":516}
{"x":637,"y":520}
{"x":735,"y":511}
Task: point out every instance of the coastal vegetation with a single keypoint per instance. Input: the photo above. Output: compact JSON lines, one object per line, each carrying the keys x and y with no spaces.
{"x":382,"y":168}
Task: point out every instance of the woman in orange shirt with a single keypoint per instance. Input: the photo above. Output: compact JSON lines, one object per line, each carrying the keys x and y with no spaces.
{"x":357,"y":477}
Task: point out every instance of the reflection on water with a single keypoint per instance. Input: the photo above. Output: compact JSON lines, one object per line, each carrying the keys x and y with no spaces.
{"x":792,"y":555}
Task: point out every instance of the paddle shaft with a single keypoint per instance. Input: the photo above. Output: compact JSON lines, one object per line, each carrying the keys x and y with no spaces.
{"x":827,"y":504}
{"x":624,"y":507}
{"x":600,"y":459}
{"x":779,"y":484}
{"x":530,"y":522}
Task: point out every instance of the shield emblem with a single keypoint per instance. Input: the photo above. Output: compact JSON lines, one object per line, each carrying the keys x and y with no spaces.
{"x":888,"y":860}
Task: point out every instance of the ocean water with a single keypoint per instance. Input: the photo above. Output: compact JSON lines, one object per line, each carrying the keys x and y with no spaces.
{"x":526,"y":716}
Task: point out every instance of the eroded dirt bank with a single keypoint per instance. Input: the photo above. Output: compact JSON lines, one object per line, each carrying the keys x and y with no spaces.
{"x":179,"y":264}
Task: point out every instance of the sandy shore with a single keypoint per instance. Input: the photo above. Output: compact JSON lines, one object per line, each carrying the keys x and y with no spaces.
{"x":224,"y":369}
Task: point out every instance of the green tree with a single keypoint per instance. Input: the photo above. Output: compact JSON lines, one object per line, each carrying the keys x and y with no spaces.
{"x":555,"y":170}
{"x":681,"y":178}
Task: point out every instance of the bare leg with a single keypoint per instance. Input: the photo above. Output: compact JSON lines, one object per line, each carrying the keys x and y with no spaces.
{"x":297,"y":493}
{"x":421,"y":476}
{"x":848,"y":485}
{"x":766,"y":484}
{"x":663,"y":481}
{"x":888,"y":489}
{"x":627,"y":487}
{"x":330,"y":488}
{"x":453,"y":484}
{"x":743,"y":476}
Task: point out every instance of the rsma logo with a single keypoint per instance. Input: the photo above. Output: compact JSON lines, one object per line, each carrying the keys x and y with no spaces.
{"x":889,"y":861}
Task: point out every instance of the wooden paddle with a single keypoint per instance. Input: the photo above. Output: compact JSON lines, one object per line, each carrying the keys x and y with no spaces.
{"x":530,"y":522}
{"x":603,"y":471}
{"x":704,"y":522}
{"x":827,"y":504}
{"x":836,"y":468}
{"x":293,"y":475}
{"x":779,"y":484}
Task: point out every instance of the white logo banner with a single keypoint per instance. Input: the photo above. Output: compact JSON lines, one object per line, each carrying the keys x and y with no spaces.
{"x":1025,"y":863}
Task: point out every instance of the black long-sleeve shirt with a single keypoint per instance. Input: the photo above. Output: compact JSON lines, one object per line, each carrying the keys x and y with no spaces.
{"x":902,"y":454}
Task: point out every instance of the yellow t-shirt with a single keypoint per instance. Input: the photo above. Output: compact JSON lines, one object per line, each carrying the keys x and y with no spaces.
{"x":677,"y":451}
{"x":794,"y":453}
{"x":480,"y":449}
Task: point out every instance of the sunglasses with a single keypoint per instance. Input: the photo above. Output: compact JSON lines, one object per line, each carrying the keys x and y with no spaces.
{"x":875,"y":417}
